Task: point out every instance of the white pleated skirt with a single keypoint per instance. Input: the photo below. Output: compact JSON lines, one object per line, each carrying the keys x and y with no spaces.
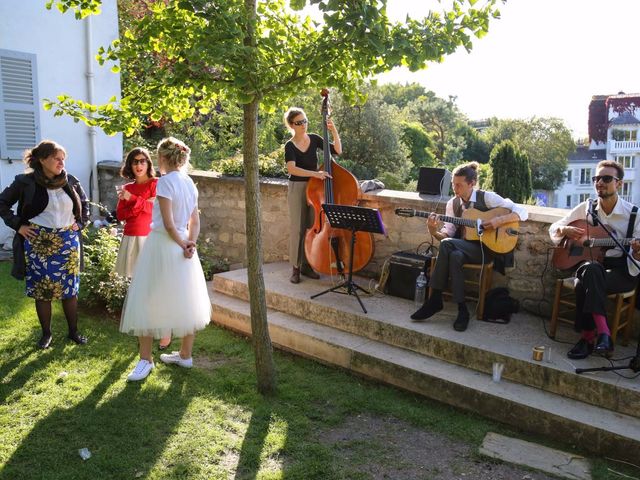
{"x":168,"y":293}
{"x":130,"y":248}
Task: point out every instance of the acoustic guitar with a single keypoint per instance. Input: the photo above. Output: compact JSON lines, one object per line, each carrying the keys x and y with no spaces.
{"x":590,"y":247}
{"x":501,"y":240}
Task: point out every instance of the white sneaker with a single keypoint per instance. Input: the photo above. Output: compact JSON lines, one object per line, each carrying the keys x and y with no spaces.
{"x":174,"y":357}
{"x":142,"y":371}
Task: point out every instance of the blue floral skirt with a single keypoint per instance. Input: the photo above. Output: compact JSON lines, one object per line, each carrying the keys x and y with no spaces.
{"x":53,"y":263}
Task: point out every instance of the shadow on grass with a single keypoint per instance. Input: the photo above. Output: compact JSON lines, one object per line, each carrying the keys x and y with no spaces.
{"x":126,"y":433}
{"x":253,"y":443}
{"x":11,"y":381}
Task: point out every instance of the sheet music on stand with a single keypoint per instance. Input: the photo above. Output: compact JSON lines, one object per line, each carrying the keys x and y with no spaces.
{"x":355,"y":219}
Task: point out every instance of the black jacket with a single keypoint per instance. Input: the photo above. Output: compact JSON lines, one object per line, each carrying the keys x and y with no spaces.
{"x":32,"y":199}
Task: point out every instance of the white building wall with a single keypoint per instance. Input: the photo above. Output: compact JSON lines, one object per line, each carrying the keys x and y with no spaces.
{"x":59,"y":43}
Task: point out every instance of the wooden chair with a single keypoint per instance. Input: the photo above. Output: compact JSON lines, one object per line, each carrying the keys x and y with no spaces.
{"x":620,"y":314}
{"x":481,"y":282}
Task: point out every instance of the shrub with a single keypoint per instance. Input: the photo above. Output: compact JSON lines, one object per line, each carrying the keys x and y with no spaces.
{"x":211,"y":261}
{"x":101,"y":286}
{"x":270,"y":165}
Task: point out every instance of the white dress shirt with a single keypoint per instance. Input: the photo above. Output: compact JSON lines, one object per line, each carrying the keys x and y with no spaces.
{"x":617,"y":221}
{"x":491,"y":200}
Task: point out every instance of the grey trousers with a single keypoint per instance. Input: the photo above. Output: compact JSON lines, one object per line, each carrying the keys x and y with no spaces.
{"x":452,"y":254}
{"x":300,"y":218}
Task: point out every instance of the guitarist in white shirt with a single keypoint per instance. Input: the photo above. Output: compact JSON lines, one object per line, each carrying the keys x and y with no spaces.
{"x":453,"y":251}
{"x":594,"y":281}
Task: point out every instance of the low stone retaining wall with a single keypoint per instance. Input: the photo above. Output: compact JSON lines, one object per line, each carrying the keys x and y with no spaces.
{"x":223,"y":223}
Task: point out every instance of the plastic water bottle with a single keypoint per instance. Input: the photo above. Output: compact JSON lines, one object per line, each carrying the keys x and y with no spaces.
{"x":421,"y":289}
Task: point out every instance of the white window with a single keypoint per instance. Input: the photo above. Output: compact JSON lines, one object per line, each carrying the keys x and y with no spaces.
{"x":627,"y":161}
{"x":625,"y":135}
{"x":569,"y":176}
{"x":568,"y":202}
{"x":585,"y":176}
{"x":627,"y":188}
{"x":19,"y":109}
{"x":583,"y":197}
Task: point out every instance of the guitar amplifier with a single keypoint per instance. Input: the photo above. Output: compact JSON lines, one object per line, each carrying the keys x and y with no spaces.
{"x":404,"y":268}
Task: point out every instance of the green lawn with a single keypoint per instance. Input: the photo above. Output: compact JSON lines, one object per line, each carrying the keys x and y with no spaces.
{"x":203,"y":423}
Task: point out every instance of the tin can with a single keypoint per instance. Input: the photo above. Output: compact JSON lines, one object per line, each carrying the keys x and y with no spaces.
{"x":538,"y":353}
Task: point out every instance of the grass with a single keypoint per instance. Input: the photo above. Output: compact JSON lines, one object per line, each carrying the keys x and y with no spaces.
{"x":204,"y":423}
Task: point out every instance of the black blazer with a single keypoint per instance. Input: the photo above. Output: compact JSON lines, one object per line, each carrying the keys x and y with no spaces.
{"x":32,"y":199}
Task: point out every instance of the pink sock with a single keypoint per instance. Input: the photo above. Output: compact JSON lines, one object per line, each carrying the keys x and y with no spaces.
{"x":589,"y":335}
{"x":601,"y":323}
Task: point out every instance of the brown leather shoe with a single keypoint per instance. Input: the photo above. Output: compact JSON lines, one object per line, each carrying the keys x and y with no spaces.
{"x":307,"y":271}
{"x":295,"y":275}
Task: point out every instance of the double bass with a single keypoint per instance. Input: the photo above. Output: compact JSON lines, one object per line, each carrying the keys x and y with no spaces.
{"x":328,"y":249}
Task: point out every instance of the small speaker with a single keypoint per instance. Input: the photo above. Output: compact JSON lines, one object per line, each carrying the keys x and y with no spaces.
{"x":434,"y":181}
{"x":404,"y":268}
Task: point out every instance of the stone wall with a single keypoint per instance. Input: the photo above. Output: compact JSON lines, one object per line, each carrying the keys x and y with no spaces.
{"x":222,"y":217}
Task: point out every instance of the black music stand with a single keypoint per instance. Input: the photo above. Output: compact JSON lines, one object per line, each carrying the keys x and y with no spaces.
{"x":356,"y":219}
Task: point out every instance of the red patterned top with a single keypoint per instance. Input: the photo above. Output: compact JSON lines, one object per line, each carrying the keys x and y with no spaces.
{"x":136,"y":212}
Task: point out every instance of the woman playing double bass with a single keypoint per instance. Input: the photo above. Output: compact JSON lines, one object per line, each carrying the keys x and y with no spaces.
{"x":300,"y":155}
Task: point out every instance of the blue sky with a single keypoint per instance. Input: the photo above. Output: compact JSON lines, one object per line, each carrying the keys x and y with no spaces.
{"x":542,"y":58}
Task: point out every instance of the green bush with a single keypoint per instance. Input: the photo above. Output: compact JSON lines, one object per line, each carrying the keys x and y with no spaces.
{"x":270,"y":165}
{"x":101,"y":286}
{"x":211,"y":261}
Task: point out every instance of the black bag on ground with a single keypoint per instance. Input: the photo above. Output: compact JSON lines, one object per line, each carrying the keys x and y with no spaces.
{"x":499,"y":306}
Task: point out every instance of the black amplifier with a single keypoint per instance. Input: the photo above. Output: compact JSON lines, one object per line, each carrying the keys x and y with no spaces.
{"x":404,"y":268}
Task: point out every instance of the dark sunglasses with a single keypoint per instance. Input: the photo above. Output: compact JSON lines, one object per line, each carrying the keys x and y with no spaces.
{"x":604,"y":178}
{"x":139,"y":161}
{"x":300,"y":122}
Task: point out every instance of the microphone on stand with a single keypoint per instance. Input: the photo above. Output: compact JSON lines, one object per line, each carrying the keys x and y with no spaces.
{"x":591,"y":210}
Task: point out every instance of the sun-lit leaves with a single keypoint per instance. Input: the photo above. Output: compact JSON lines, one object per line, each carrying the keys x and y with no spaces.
{"x":81,"y":8}
{"x":196,"y":50}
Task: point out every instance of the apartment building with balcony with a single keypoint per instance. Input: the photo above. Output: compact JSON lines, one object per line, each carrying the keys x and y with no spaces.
{"x":614,"y":134}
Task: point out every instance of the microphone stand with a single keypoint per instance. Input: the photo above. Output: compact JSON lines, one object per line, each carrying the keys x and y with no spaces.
{"x":634,"y":364}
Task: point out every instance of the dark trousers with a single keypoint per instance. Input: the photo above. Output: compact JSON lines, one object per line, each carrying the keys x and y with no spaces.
{"x":452,"y":255}
{"x":594,"y":282}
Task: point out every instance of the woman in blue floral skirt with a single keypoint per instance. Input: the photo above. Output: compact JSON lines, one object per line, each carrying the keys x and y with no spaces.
{"x":52,"y":209}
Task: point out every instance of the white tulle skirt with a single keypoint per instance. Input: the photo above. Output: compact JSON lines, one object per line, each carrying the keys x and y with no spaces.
{"x":168,"y":293}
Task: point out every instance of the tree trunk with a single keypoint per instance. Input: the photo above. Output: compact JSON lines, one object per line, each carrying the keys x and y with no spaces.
{"x":265,"y":370}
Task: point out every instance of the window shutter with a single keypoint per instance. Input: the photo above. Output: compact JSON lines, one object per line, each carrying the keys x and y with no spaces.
{"x":576,"y":177}
{"x":19,"y":104}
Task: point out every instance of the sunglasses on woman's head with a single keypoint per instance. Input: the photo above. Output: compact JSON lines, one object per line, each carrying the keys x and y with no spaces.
{"x":300,"y":122}
{"x":604,"y":178}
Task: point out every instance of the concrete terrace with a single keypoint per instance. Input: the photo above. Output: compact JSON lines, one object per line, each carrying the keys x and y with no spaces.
{"x":597,"y":412}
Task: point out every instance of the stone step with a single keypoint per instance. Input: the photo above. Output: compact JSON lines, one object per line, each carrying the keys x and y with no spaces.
{"x":483,"y":344}
{"x":592,"y":428}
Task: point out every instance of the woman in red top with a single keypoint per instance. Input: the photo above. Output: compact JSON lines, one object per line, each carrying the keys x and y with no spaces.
{"x":135,"y":203}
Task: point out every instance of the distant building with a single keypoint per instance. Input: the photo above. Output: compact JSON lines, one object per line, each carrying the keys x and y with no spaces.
{"x":614,"y":130}
{"x":43,"y":54}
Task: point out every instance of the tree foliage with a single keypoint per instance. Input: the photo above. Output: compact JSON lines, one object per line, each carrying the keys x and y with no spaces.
{"x":546,"y":141}
{"x":510,"y":172}
{"x":420,"y":147}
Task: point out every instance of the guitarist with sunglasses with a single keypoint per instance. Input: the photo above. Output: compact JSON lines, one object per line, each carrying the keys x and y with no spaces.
{"x":454,"y":251}
{"x":595,"y":280}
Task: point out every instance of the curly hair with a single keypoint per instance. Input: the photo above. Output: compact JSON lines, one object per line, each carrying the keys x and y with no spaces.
{"x":127,"y":168}
{"x":174,"y":152}
{"x":290,"y":114}
{"x":469,"y":171}
{"x":44,"y":149}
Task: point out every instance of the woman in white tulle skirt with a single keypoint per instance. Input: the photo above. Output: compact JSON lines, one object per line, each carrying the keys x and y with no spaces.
{"x":168,"y":293}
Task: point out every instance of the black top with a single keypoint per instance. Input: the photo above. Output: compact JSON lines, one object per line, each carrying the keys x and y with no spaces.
{"x":307,"y":160}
